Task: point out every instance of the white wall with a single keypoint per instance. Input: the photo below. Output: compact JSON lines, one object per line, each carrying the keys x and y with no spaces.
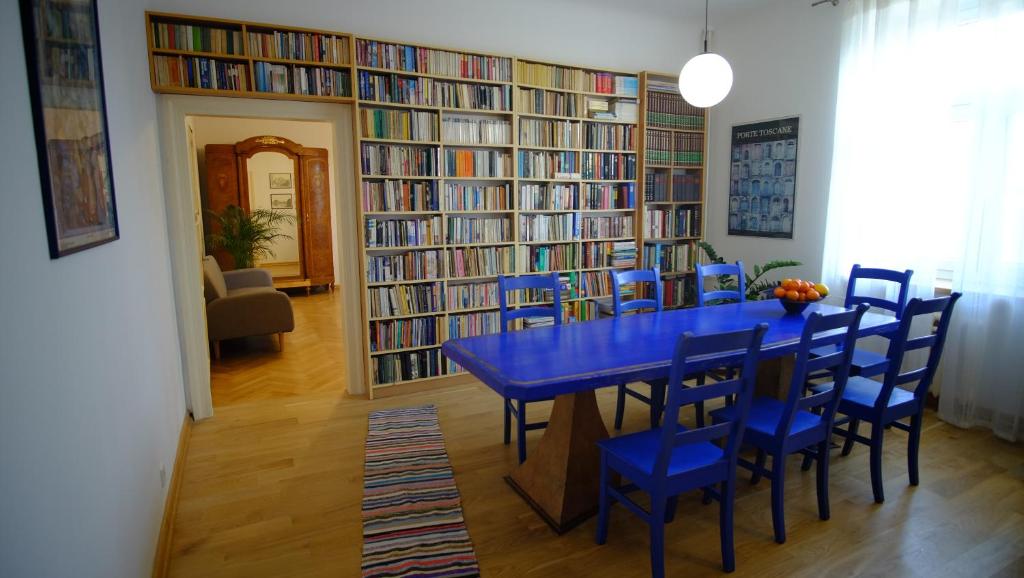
{"x":91,"y":395}
{"x":784,"y":55}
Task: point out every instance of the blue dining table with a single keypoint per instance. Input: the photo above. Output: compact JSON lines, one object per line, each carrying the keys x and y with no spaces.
{"x":559,"y":479}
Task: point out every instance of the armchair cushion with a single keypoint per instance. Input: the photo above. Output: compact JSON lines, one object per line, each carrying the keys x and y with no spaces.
{"x":249,"y":311}
{"x":241,"y":278}
{"x":213,"y":280}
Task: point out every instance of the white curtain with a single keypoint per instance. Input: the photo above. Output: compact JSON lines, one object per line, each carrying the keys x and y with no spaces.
{"x":928,"y":174}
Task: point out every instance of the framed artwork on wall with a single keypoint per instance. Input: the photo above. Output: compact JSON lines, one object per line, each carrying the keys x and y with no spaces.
{"x":280,"y":180}
{"x":762,"y":178}
{"x":279,"y":201}
{"x":65,"y":76}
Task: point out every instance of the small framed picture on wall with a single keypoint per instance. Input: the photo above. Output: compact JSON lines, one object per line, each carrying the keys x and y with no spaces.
{"x":280,"y":180}
{"x":281,"y":201}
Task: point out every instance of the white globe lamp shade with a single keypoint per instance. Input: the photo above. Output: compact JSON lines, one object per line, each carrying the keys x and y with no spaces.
{"x":705,"y":80}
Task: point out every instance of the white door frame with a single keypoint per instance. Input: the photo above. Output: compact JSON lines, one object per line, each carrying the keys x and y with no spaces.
{"x":188,"y":283}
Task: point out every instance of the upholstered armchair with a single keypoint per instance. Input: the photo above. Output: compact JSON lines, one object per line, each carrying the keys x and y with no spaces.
{"x":243,"y":303}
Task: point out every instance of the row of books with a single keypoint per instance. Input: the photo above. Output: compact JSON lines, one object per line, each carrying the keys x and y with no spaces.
{"x":398,"y":300}
{"x":606,"y":196}
{"x":460,"y":197}
{"x":286,"y":79}
{"x":566,"y":78}
{"x":199,"y":72}
{"x":677,"y":292}
{"x":432,"y":61}
{"x":658,"y":149}
{"x":398,"y":124}
{"x":472,"y":295}
{"x":546,"y":102}
{"x":616,"y":110}
{"x":671,"y":258}
{"x":408,"y":266}
{"x":560,"y":227}
{"x":193,"y":38}
{"x":679,"y":186}
{"x":481,"y":261}
{"x":470,"y":324}
{"x":667,"y":108}
{"x":615,"y":166}
{"x":540,"y":258}
{"x":608,"y":254}
{"x":397,"y":195}
{"x":308,"y":46}
{"x":396,"y":367}
{"x":466,"y":230}
{"x":389,"y":159}
{"x":606,"y":227}
{"x":549,"y":197}
{"x":689,"y":149}
{"x":595,"y":284}
{"x":477,"y":163}
{"x":476,"y":131}
{"x":609,"y":136}
{"x":548,"y":165}
{"x":429,"y":92}
{"x":668,"y":223}
{"x":549,"y":133}
{"x":403,"y":232}
{"x":403,"y":333}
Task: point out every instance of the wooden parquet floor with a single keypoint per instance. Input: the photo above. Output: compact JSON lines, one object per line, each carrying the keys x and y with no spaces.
{"x":272,"y":487}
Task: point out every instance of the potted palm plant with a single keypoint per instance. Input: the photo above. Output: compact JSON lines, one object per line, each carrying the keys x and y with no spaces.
{"x":757,"y":285}
{"x":247,"y":236}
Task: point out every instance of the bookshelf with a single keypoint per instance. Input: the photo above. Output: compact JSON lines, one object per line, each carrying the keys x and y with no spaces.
{"x":672,"y":163}
{"x":216,"y":57}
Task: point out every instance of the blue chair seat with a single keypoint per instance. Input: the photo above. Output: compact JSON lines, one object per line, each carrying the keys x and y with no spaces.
{"x":640,"y":450}
{"x":765,"y":413}
{"x":863,"y":392}
{"x":865,"y":362}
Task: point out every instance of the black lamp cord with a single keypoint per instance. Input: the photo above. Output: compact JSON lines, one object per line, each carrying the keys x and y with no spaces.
{"x":706,"y":25}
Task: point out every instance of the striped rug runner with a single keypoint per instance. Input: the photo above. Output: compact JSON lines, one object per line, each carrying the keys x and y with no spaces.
{"x":412,"y":517}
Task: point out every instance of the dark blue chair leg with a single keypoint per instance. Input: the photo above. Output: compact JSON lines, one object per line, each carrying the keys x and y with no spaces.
{"x":521,"y":429}
{"x":851,"y":432}
{"x":877,"y":435}
{"x":657,"y":523}
{"x":508,"y":421}
{"x":620,"y":406}
{"x":806,"y":464}
{"x":670,"y":509}
{"x":759,"y":466}
{"x":603,"y":505}
{"x":778,"y":495}
{"x":657,"y":403}
{"x":725,"y":517}
{"x":913,"y":447}
{"x":822,"y":478}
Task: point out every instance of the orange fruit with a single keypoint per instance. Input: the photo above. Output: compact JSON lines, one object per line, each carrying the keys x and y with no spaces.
{"x":792,"y":295}
{"x":822,"y":289}
{"x":812,"y":295}
{"x":785,"y":283}
{"x":804,"y":286}
{"x":780,"y":292}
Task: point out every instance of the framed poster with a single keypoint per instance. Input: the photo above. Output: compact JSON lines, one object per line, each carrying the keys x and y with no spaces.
{"x":762,"y":183}
{"x":65,"y":76}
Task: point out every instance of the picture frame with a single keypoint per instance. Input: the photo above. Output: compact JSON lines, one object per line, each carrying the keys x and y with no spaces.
{"x":281,"y":181}
{"x":65,"y":77}
{"x":281,"y":201}
{"x":762,"y":178}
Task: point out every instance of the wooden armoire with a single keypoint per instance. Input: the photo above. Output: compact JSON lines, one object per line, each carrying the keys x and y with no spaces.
{"x":227,"y":184}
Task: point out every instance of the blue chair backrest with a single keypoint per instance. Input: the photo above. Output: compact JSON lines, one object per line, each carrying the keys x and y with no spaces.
{"x":820,"y":331}
{"x":732,"y":349}
{"x":901,"y":343}
{"x":900,"y":277}
{"x":550,"y":282}
{"x":716,"y":270}
{"x":620,"y":278}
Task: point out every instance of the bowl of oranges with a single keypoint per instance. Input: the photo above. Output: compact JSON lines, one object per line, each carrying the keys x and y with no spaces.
{"x":797,"y":294}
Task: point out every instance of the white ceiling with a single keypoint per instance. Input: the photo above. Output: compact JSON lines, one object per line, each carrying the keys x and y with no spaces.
{"x":685,"y":9}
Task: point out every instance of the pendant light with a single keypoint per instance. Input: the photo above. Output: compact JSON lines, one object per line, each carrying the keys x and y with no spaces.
{"x":707,"y":78}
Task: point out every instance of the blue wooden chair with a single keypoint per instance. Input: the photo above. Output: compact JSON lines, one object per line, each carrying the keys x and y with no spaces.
{"x":667,"y":461}
{"x":517,"y":408}
{"x":653,"y":302}
{"x":739,"y":294}
{"x":884,"y":404}
{"x":782,"y":428}
{"x":868,"y":363}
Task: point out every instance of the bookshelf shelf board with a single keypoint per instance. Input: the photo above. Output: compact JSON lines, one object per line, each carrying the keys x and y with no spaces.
{"x":402,"y":177}
{"x":466,"y":145}
{"x":434,"y":76}
{"x":405,"y":248}
{"x":551,"y":242}
{"x":530,"y":147}
{"x":405,"y":349}
{"x":574,"y":91}
{"x":605,"y":239}
{"x":546,"y":180}
{"x":628,"y":210}
{"x":200,"y":54}
{"x":549,"y":116}
{"x":297,"y":62}
{"x":479,"y":178}
{"x":409,"y":316}
{"x":403,"y":282}
{"x":293,"y":96}
{"x":610,"y":121}
{"x":609,"y":180}
{"x":559,"y":271}
{"x":446,"y":110}
{"x":399,"y":213}
{"x":496,"y":244}
{"x":477,"y":277}
{"x":473,"y":309}
{"x":614,"y":151}
{"x":400,"y":141}
{"x":547,"y":211}
{"x":479,"y":211}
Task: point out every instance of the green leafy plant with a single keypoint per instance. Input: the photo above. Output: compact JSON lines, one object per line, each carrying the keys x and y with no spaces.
{"x":247,"y":236}
{"x":756,"y":284}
